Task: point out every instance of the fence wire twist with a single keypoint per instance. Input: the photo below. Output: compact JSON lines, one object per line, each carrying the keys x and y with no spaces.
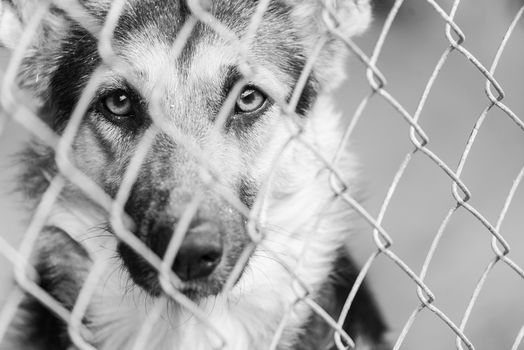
{"x":16,"y":107}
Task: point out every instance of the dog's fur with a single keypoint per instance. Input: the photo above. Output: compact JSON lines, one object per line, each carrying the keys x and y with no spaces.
{"x":305,"y":225}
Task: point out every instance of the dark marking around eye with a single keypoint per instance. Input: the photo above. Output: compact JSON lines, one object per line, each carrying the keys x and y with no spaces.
{"x":123,"y":106}
{"x":307,"y":97}
{"x":78,"y":60}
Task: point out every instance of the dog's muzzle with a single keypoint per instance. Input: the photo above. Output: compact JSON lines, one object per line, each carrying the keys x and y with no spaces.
{"x":200,"y":252}
{"x":205,"y":255}
{"x":197,"y":260}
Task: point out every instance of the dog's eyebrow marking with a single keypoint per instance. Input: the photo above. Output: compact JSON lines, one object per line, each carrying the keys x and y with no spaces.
{"x":263,"y":80}
{"x":232,"y":76}
{"x":113,"y":84}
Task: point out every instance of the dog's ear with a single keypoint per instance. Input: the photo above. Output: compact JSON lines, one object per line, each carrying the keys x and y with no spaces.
{"x":44,"y":49}
{"x":16,"y":15}
{"x":352,"y":16}
{"x":11,"y":22}
{"x":313,"y":20}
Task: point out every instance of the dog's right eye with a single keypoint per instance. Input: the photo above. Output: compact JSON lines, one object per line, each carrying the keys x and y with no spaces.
{"x":250,"y":100}
{"x":118,"y":103}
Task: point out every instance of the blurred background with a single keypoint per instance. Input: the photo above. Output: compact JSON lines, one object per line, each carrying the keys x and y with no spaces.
{"x":423,"y":198}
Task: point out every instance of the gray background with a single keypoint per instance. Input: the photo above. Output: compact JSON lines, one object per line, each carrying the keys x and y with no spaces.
{"x":423,"y":197}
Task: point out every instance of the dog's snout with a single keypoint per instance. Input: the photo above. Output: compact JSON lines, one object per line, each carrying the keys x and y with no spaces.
{"x":200,"y":252}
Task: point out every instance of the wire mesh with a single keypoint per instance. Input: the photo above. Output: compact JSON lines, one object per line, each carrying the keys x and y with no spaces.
{"x":17,"y":108}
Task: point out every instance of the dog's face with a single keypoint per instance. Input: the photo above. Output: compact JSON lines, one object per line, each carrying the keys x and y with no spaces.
{"x":182,"y":91}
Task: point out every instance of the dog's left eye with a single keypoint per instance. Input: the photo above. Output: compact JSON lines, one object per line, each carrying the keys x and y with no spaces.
{"x":118,"y":103}
{"x":250,"y":100}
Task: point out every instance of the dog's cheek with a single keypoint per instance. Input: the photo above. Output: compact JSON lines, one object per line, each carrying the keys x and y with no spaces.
{"x":266,"y":145}
{"x":99,"y":154}
{"x":236,"y":238}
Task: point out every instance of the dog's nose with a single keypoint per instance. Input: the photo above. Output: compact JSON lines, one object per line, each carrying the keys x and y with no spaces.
{"x":200,"y":252}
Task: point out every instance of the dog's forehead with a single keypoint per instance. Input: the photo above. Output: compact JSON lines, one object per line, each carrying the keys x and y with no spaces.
{"x":164,"y":18}
{"x":147,"y":23}
{"x":210,"y":70}
{"x":147,"y":33}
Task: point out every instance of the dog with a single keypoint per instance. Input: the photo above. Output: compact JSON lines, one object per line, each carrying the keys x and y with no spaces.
{"x":259,"y":154}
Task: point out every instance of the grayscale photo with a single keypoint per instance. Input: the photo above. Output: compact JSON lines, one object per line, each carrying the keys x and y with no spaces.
{"x":261,"y":174}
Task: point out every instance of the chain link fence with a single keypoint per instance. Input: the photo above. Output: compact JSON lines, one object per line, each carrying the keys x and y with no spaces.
{"x":16,"y":108}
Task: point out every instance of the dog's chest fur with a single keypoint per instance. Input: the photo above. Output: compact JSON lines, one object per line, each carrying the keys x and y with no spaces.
{"x":248,"y":318}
